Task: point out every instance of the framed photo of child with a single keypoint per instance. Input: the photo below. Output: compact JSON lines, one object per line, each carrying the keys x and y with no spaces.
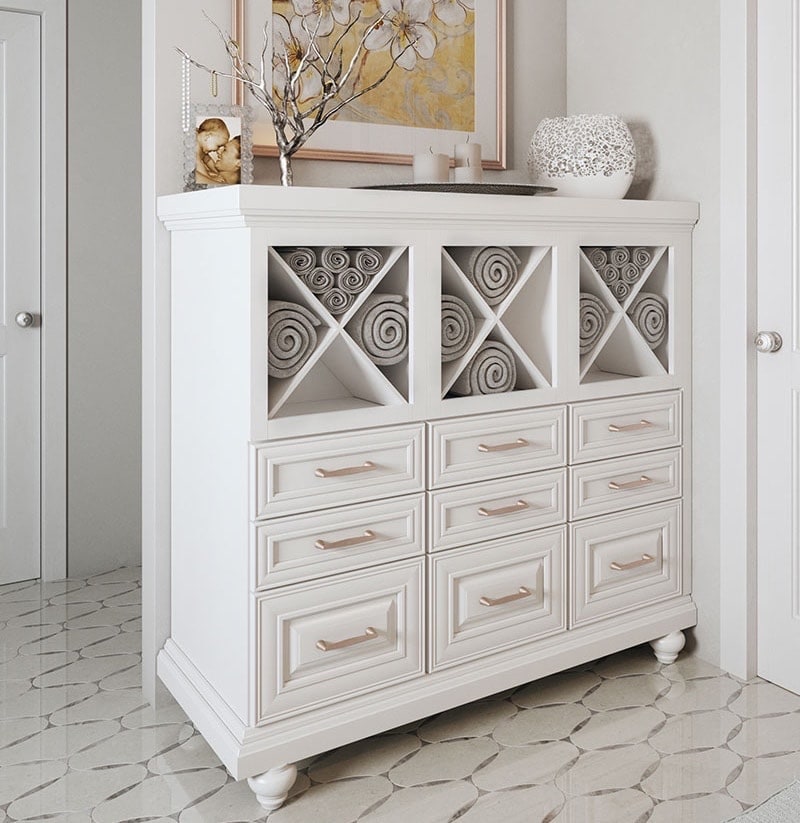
{"x":218,"y":150}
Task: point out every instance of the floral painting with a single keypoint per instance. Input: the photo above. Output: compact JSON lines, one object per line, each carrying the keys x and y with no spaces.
{"x":431,"y":42}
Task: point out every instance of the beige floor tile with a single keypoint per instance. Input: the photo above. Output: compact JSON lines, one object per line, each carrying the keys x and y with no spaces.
{"x":569,"y":687}
{"x":58,"y":742}
{"x":105,"y":617}
{"x":123,"y":575}
{"x":131,"y":746}
{"x":148,"y":716}
{"x":341,"y":802}
{"x":12,"y":731}
{"x":100,"y":706}
{"x":453,"y":760}
{"x":39,"y":702}
{"x":128,"y":678}
{"x":364,"y":758}
{"x":93,"y":593}
{"x":768,"y":735}
{"x":639,"y":660}
{"x":25,"y":777}
{"x":621,"y":692}
{"x":619,"y":727}
{"x":761,"y":698}
{"x":525,"y":766}
{"x":695,"y":731}
{"x":425,"y":804}
{"x":64,"y":641}
{"x":699,"y":695}
{"x":123,"y":643}
{"x":473,"y":720}
{"x":607,"y":769}
{"x":692,"y":773}
{"x":130,"y":598}
{"x":86,"y":670}
{"x":193,"y":754}
{"x":687,"y":667}
{"x":540,"y":725}
{"x":55,"y":615}
{"x":712,"y":808}
{"x":13,"y":638}
{"x":233,"y":803}
{"x":762,"y":777}
{"x":517,"y":806}
{"x":626,"y":806}
{"x":27,"y":667}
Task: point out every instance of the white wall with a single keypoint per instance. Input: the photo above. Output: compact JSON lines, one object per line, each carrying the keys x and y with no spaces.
{"x":657,"y":65}
{"x":104,"y":286}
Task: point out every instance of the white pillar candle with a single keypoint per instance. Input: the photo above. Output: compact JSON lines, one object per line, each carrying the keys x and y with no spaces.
{"x":431,"y":168}
{"x":468,"y":174}
{"x":468,"y":154}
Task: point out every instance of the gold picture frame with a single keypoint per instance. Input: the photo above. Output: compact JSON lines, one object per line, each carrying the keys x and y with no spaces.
{"x":378,"y":143}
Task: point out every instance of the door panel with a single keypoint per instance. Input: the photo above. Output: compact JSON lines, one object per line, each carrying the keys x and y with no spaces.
{"x":20,"y":283}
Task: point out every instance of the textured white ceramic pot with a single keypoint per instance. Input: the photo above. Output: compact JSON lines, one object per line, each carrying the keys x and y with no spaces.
{"x":583,"y":155}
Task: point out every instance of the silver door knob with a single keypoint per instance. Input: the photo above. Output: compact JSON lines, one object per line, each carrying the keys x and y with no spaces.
{"x":25,"y":319}
{"x":768,"y":341}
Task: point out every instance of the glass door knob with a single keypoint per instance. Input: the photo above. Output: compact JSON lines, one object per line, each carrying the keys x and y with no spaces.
{"x":768,"y":341}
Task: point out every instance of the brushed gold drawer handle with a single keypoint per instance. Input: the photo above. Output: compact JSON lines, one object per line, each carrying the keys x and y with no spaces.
{"x":347,"y":543}
{"x":523,"y":592}
{"x":366,"y":466}
{"x":623,"y":567}
{"x":331,"y":646}
{"x":519,"y":506}
{"x":631,"y":427}
{"x":644,"y":480}
{"x":519,"y":443}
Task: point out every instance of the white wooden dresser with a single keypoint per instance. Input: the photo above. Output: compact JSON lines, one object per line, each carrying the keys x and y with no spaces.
{"x":355,"y":547}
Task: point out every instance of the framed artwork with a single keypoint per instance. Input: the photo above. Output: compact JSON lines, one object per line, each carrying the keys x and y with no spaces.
{"x":218,"y":148}
{"x":438,"y":95}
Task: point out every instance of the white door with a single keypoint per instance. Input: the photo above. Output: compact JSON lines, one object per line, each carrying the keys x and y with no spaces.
{"x":779,"y":371}
{"x":20,"y":285}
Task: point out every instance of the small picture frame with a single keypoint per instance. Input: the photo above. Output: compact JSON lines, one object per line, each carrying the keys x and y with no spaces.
{"x":218,"y":148}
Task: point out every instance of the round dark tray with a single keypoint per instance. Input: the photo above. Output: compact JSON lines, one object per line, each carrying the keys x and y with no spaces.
{"x":526,"y":189}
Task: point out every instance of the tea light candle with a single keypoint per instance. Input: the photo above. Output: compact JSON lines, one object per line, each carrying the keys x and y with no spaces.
{"x":468,"y":174}
{"x":468,"y":154}
{"x":431,"y":168}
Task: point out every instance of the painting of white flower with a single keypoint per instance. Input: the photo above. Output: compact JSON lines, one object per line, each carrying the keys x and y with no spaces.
{"x":403,"y":31}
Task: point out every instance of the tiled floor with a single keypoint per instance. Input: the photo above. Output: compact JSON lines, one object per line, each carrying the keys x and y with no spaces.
{"x":624,"y":740}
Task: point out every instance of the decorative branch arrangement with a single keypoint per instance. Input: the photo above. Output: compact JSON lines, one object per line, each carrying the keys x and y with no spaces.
{"x":314,"y":70}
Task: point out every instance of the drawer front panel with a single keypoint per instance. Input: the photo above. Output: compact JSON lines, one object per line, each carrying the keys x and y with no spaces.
{"x":614,"y":428}
{"x":483,"y":511}
{"x":292,"y":549}
{"x":497,"y":445}
{"x":496,"y":595}
{"x":613,"y":485}
{"x":319,"y":472}
{"x":323,"y":642}
{"x":624,"y":561}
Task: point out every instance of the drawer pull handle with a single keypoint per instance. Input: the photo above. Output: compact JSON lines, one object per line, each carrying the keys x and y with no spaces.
{"x":524,"y":591}
{"x":644,"y":480}
{"x":331,"y":646}
{"x":642,"y":424}
{"x":519,"y":506}
{"x":347,"y":543}
{"x":622,"y":567}
{"x":366,"y":466}
{"x":519,"y":443}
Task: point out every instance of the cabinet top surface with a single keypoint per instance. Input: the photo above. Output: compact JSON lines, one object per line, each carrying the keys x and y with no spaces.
{"x":228,"y":206}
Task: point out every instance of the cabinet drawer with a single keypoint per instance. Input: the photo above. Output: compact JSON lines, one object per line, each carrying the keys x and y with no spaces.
{"x":626,"y":560}
{"x":496,"y":595}
{"x":322,"y":642}
{"x":482,"y":511}
{"x":292,"y":549}
{"x":612,"y":485}
{"x":613,"y":428}
{"x":318,"y":472}
{"x":496,"y":445}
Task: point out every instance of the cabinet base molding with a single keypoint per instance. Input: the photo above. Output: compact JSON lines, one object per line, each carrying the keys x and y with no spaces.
{"x":667,"y":648}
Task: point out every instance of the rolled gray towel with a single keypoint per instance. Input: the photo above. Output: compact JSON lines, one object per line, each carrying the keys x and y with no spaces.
{"x":597,"y":257}
{"x":492,"y":370}
{"x":593,"y":321}
{"x":494,"y":271}
{"x":368,"y":260}
{"x":620,"y":290}
{"x":301,"y":260}
{"x":319,"y":281}
{"x":609,"y":274}
{"x":334,"y":258}
{"x":630,"y":273}
{"x":353,"y":280}
{"x":380,"y":327}
{"x":291,"y":337}
{"x":619,"y":255}
{"x":649,"y":314}
{"x":641,"y":257}
{"x":458,"y":328}
{"x":336,"y":301}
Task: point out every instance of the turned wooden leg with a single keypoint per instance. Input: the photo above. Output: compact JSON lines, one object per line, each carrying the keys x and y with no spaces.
{"x":272,"y":787}
{"x":667,"y":648}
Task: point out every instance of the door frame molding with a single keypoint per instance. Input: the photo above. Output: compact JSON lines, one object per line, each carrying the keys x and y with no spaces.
{"x":53,"y":16}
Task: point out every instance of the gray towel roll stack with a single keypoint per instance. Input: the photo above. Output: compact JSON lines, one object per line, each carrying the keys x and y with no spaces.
{"x":334,"y":258}
{"x":336,"y":300}
{"x":380,"y":327}
{"x":291,"y":337}
{"x":353,"y":280}
{"x":367,"y":260}
{"x":492,"y":370}
{"x":319,"y":281}
{"x":619,"y":256}
{"x":593,"y":321}
{"x":597,"y":257}
{"x":641,"y":257}
{"x":494,"y":271}
{"x":458,"y":328}
{"x":301,"y":260}
{"x":649,"y":314}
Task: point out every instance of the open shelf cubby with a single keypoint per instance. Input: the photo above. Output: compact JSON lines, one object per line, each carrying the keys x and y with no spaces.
{"x":638,"y":298}
{"x":519,"y":315}
{"x":361,"y":358}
